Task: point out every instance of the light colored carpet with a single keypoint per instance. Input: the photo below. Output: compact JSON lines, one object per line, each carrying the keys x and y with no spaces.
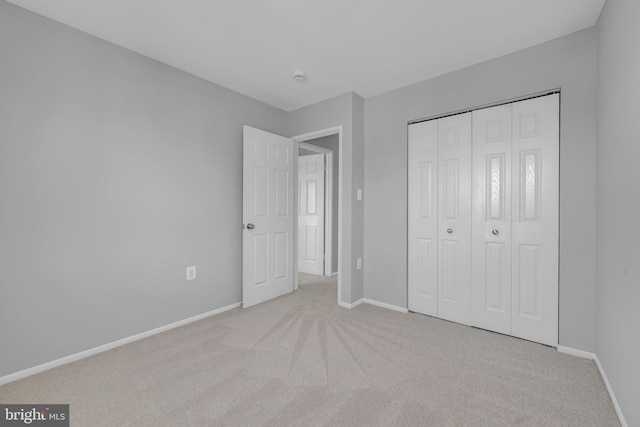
{"x":302,"y":360}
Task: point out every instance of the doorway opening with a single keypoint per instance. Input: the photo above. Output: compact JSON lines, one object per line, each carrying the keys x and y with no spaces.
{"x":316,"y":203}
{"x":318,"y":199}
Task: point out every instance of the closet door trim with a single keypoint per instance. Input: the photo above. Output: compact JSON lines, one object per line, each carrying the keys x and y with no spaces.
{"x":488,"y":105}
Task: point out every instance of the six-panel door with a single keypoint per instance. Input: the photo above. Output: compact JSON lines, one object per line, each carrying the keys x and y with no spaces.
{"x":267,"y":243}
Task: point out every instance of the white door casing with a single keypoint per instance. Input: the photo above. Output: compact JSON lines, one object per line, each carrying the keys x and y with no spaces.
{"x":454,"y":218}
{"x":311,"y":210}
{"x":423,"y":217}
{"x":268,"y":216}
{"x":491,"y":241}
{"x":535,"y":219}
{"x":300,"y":139}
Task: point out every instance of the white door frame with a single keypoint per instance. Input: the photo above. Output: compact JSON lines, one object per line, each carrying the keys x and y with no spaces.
{"x":328,"y":203}
{"x":337,"y":130}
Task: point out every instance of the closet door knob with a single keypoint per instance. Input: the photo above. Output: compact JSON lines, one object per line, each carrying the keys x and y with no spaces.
{"x":495,"y":232}
{"x":250,"y":226}
{"x":449,"y":230}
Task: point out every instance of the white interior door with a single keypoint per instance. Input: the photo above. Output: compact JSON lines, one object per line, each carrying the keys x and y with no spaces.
{"x":491,"y":241}
{"x":454,"y":212}
{"x":423,"y":217}
{"x":267,"y":204}
{"x":311,"y":198}
{"x":535,"y":215}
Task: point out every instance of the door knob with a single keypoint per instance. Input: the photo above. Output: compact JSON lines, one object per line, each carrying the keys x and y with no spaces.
{"x":449,"y":230}
{"x":250,"y":226}
{"x":495,"y":232}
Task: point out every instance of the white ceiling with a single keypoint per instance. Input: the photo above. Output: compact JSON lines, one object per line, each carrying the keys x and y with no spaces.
{"x":365,"y":46}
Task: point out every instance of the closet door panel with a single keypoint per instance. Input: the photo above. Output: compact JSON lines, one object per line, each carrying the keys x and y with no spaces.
{"x":422,"y":221}
{"x":454,"y":218}
{"x":491,"y":201}
{"x":535,"y":214}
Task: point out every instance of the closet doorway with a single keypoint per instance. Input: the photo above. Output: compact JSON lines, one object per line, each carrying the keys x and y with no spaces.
{"x":483,"y":217}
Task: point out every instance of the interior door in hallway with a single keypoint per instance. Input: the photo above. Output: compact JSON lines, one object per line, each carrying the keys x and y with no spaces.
{"x":267,"y":204}
{"x":311,"y":199}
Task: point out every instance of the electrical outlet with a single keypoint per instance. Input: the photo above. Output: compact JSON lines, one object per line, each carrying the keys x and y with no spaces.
{"x":191,"y":272}
{"x":359,"y":263}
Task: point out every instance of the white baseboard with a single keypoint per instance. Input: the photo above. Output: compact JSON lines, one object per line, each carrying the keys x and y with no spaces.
{"x":373,"y":302}
{"x":575,"y":352}
{"x":385,"y":305}
{"x":92,"y":351}
{"x":352,"y":305}
{"x":623,"y":422}
{"x":594,"y":357}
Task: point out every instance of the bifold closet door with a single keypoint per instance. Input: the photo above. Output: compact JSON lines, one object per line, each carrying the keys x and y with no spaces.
{"x":483,"y":218}
{"x":439,"y":225}
{"x":491,"y":265}
{"x":454,"y":218}
{"x":423,"y":221}
{"x":516,"y":219}
{"x":535,"y":219}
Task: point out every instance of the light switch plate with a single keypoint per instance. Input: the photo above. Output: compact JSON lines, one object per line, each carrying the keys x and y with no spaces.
{"x":359,"y":194}
{"x":191,"y":272}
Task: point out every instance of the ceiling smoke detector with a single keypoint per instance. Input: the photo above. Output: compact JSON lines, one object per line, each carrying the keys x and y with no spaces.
{"x":299,"y":75}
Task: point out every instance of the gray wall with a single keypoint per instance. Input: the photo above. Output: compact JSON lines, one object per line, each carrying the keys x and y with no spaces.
{"x":346,"y":110}
{"x":618,"y":175}
{"x":116,"y":173}
{"x":331,"y":143}
{"x":568,"y":63}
